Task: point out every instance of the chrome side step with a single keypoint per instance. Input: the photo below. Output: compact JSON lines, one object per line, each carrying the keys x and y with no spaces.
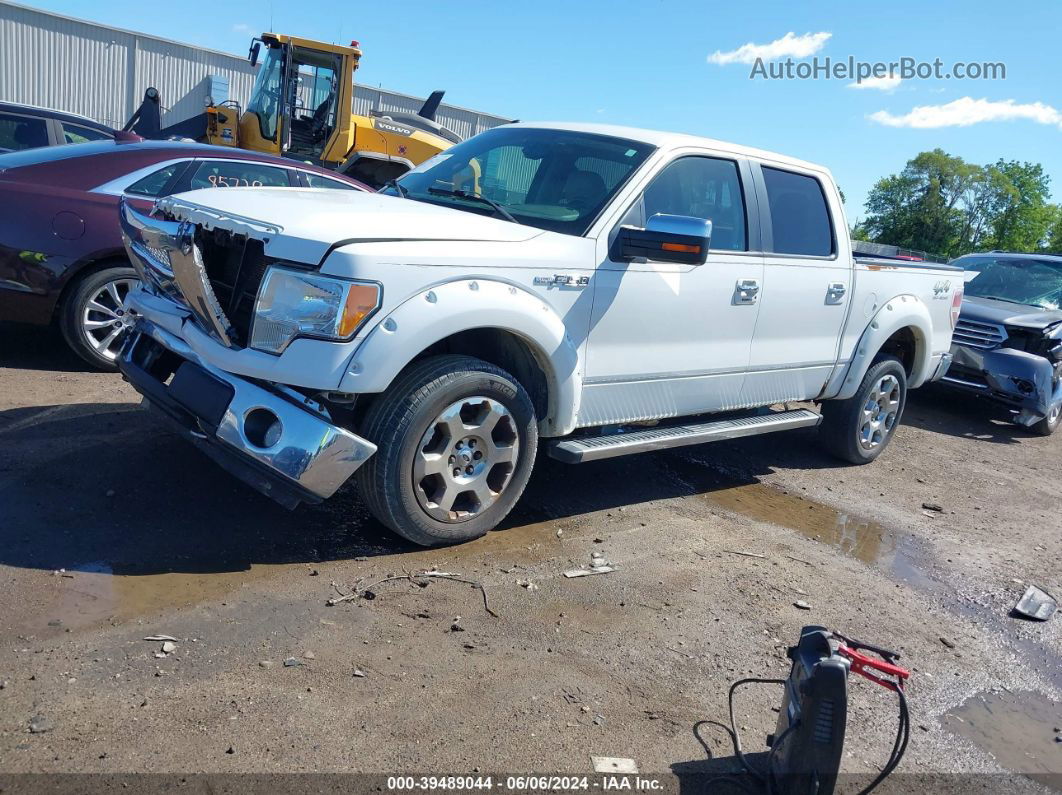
{"x":593,"y":448}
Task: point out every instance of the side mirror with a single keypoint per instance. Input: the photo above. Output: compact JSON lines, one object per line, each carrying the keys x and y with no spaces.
{"x":252,"y":54}
{"x":668,"y":238}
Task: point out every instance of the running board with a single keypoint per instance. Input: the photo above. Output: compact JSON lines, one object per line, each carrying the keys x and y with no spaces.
{"x":593,"y":448}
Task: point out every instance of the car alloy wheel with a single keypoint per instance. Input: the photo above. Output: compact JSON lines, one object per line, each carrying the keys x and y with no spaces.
{"x":465,"y":459}
{"x":880,"y":412}
{"x":103,"y":319}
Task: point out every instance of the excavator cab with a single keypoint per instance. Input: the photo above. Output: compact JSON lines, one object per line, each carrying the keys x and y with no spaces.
{"x":301,"y":106}
{"x":296,"y":105}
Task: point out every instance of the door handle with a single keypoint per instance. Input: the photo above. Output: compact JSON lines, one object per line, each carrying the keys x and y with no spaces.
{"x":746,"y":291}
{"x":836,"y":290}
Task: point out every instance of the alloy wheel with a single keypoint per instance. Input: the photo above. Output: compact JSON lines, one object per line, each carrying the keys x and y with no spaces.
{"x":880,"y":412}
{"x":465,"y":459}
{"x":103,"y":319}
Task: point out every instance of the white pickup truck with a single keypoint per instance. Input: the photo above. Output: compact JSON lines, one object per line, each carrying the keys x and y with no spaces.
{"x":594,"y":291}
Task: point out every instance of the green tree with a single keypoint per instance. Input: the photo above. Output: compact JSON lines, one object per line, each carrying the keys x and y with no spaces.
{"x":923,"y":207}
{"x":1054,"y":238}
{"x":1020,"y":214}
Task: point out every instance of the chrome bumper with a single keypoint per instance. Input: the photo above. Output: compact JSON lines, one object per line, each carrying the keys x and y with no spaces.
{"x":309,"y":458}
{"x":942,"y":367}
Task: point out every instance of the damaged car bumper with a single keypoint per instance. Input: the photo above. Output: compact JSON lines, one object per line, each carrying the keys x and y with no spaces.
{"x":1028,"y":384}
{"x":269,"y":438}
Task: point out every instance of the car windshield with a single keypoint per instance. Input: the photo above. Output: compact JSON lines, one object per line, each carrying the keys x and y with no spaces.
{"x":557,"y":180}
{"x":1023,"y":280}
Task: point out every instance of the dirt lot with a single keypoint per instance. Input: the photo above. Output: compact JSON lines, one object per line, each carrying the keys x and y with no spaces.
{"x":113,"y":529}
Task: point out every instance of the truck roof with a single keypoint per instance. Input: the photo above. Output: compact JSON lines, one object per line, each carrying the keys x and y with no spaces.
{"x":673,"y":140}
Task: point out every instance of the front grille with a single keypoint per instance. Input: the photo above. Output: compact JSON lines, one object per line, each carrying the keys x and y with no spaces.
{"x":974,"y":334}
{"x":235,"y":266}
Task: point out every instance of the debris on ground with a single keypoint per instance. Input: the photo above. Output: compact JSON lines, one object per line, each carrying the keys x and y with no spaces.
{"x":932,"y":506}
{"x":39,"y":724}
{"x":420,"y":578}
{"x":168,"y":647}
{"x":265,"y":663}
{"x":161,"y":638}
{"x":527,"y":585}
{"x":1036,"y":604}
{"x":598,"y":565}
{"x":309,"y":655}
{"x":292,"y":662}
{"x":947,"y":642}
{"x":614,"y":764}
{"x":745,"y":554}
{"x":359,"y":674}
{"x":599,"y":720}
{"x":801,"y":605}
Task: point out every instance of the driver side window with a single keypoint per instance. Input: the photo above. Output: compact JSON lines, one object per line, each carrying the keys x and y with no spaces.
{"x":702,"y":187}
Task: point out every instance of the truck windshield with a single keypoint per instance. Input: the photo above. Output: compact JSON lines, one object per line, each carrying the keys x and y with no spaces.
{"x":557,"y":180}
{"x":1023,"y":280}
{"x":266,"y":95}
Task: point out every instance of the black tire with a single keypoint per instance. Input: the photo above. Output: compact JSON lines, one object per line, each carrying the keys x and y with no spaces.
{"x":398,"y":422}
{"x":843,"y":421}
{"x":73,"y":314}
{"x":1049,"y":424}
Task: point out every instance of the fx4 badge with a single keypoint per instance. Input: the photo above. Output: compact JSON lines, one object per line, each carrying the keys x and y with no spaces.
{"x":561,"y":280}
{"x":941,"y":289}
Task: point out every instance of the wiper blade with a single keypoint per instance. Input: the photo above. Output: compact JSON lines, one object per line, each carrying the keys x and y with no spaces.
{"x":1009,"y":300}
{"x":464,"y":194}
{"x":401,"y":190}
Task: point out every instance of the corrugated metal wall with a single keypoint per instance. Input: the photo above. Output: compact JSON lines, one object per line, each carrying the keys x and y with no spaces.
{"x":102,"y":72}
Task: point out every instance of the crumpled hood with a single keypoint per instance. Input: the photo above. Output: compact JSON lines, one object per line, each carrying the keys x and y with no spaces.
{"x":302,"y":224}
{"x":1008,"y":313}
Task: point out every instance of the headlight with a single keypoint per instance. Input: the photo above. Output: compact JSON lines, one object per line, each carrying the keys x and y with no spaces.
{"x":294,"y":304}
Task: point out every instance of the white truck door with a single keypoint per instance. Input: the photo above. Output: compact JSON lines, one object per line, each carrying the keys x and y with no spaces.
{"x":668,"y":339}
{"x":807,"y":282}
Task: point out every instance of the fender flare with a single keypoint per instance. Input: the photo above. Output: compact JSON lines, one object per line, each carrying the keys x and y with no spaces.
{"x":437,"y":312}
{"x":902,"y":311}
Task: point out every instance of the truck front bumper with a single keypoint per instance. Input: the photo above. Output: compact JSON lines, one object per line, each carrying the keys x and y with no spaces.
{"x":276,"y":441}
{"x":1027,"y":384}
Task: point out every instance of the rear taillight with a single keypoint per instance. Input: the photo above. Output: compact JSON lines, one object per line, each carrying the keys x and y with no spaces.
{"x":956,"y":306}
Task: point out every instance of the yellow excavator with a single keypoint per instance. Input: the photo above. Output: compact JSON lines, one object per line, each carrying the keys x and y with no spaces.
{"x":301,"y":107}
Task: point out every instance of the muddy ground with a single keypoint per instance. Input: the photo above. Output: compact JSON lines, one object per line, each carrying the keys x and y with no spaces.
{"x":112,"y":530}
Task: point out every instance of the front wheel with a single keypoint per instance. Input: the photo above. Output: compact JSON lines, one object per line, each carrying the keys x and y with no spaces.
{"x":858,"y":429}
{"x":456,"y":440}
{"x":1049,"y":424}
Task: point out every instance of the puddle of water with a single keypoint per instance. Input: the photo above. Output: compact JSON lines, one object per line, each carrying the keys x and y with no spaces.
{"x":1017,"y":730}
{"x":93,"y":594}
{"x":859,"y":538}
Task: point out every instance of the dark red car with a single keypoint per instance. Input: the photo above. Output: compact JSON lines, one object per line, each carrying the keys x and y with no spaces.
{"x":61,"y":253}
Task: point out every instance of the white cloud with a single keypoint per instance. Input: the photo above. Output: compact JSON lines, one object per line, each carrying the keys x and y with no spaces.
{"x":967,"y":111}
{"x":885,"y":83}
{"x":790,"y":45}
{"x":242,"y":27}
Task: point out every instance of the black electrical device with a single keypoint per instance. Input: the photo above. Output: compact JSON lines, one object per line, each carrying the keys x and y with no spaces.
{"x":806,"y":748}
{"x":808,"y":741}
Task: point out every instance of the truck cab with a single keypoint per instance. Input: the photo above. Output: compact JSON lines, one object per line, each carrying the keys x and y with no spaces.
{"x":597,"y":291}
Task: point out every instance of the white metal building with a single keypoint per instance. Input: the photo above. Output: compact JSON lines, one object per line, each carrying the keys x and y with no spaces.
{"x":74,"y":65}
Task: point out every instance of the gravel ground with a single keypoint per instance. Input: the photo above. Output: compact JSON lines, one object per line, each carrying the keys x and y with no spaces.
{"x":112,"y":529}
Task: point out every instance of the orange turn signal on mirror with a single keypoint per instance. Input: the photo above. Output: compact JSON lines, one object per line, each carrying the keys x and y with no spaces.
{"x":689,"y":249}
{"x":362,"y":300}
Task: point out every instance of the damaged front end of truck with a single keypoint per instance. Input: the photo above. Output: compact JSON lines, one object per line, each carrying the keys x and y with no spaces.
{"x":1016,"y":361}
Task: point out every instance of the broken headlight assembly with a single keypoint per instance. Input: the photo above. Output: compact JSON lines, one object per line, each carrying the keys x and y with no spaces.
{"x":293,"y":304}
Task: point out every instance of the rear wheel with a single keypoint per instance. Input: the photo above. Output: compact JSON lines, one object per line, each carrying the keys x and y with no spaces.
{"x":456,"y":441}
{"x":858,"y":429}
{"x":92,"y":319}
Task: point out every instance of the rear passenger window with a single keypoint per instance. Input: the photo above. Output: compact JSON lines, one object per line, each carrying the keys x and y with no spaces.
{"x":317,"y":181}
{"x":238,"y":174}
{"x":21,"y":132}
{"x":77,"y":134}
{"x":799,"y":217}
{"x":153,"y":184}
{"x":702,"y":187}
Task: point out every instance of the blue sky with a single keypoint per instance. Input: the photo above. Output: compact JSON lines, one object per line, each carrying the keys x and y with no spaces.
{"x":647,"y":64}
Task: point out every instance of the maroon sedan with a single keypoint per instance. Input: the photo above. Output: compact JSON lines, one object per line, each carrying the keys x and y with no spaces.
{"x":61,"y":254}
